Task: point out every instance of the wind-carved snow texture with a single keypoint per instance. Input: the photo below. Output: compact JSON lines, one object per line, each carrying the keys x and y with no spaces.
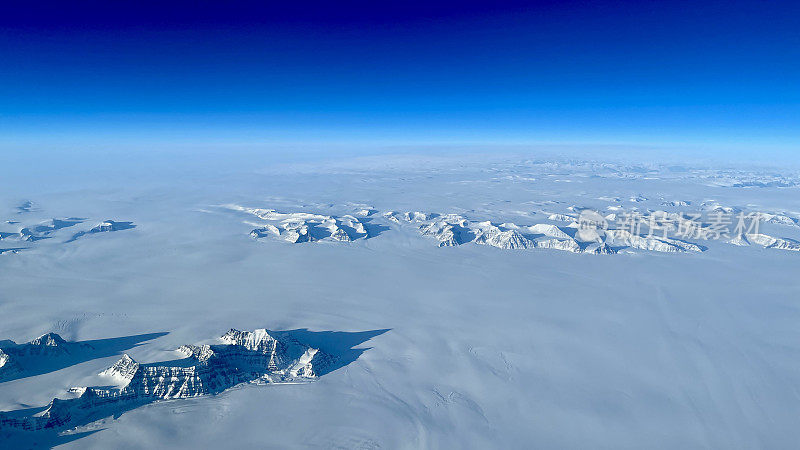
{"x":240,"y":357}
{"x":307,"y":227}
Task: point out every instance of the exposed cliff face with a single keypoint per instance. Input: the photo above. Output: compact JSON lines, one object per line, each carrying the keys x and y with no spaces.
{"x":242,"y":356}
{"x":50,"y":340}
{"x":501,"y":237}
{"x":450,"y":230}
{"x":8,"y":365}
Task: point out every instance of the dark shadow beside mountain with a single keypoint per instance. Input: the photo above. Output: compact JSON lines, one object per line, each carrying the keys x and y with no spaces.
{"x":105,"y":227}
{"x":373,"y":229}
{"x":50,"y":353}
{"x":49,"y":426}
{"x":45,"y":439}
{"x":46,"y":229}
{"x":339,"y":344}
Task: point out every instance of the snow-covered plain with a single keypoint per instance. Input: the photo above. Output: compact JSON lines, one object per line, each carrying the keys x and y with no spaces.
{"x":455,"y":323}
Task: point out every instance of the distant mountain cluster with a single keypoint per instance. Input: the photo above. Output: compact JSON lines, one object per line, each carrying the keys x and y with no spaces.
{"x":26,"y":234}
{"x":568,"y":231}
{"x":563,"y":231}
{"x":304,"y":227}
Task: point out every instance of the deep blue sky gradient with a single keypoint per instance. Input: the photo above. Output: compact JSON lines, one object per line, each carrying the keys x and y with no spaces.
{"x":715,"y":74}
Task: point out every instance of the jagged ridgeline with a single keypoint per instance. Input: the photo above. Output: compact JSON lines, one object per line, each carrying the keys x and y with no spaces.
{"x":241,"y":357}
{"x":452,"y":230}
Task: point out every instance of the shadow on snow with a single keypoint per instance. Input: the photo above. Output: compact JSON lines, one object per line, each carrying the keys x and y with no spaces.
{"x":35,"y":360}
{"x":339,"y":344}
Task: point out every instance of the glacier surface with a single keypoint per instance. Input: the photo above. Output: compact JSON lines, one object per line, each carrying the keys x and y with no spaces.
{"x":511,"y":323}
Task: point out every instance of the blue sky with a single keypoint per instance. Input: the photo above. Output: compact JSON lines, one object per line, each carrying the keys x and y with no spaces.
{"x":711,"y":75}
